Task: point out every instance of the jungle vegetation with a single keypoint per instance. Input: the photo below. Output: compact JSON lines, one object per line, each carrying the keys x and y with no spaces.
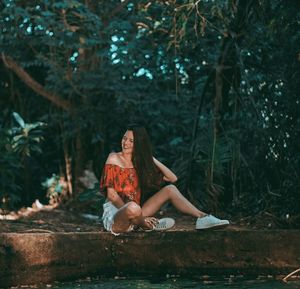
{"x":216,"y":82}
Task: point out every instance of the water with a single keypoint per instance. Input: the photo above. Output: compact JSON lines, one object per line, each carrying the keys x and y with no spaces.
{"x":170,"y":283}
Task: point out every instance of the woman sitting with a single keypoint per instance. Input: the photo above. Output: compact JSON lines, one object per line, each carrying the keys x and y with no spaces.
{"x":133,"y":183}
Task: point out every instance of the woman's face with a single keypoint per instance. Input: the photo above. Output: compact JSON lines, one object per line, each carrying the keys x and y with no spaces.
{"x":127,"y":142}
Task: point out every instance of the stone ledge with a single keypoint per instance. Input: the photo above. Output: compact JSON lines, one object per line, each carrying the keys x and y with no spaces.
{"x":33,"y":258}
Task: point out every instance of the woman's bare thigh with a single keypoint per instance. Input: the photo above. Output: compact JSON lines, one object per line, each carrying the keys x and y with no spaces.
{"x":154,"y":203}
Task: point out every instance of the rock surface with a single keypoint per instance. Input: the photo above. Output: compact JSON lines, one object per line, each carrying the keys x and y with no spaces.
{"x":31,"y":258}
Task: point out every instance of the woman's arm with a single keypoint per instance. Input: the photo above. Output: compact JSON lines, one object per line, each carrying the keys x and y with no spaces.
{"x":169,"y":176}
{"x":113,"y":196}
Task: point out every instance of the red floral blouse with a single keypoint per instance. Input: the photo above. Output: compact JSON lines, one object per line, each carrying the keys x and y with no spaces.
{"x":123,"y":180}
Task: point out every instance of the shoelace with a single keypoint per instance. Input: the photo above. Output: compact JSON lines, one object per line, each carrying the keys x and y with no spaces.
{"x":162,"y":225}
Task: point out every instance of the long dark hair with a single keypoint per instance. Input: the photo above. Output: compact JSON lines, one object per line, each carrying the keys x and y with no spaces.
{"x":142,"y":157}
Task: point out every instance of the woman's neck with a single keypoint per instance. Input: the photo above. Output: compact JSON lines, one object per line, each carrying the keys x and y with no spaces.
{"x":127,"y":158}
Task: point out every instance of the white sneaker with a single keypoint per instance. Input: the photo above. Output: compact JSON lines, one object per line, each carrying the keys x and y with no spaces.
{"x":210,"y":221}
{"x":164,"y":224}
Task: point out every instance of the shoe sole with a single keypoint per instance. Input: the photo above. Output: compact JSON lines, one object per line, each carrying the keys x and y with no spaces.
{"x":164,"y":229}
{"x":214,"y":227}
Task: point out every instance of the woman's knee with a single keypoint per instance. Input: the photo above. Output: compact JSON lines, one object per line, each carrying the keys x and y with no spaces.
{"x":171,"y":189}
{"x":133,"y":210}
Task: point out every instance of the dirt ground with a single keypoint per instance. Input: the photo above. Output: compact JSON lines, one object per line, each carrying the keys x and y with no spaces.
{"x":50,"y":218}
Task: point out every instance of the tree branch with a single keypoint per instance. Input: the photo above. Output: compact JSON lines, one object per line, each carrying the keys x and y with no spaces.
{"x":34,"y":85}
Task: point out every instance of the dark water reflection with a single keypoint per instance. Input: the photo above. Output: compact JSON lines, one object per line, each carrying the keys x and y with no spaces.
{"x":170,"y":283}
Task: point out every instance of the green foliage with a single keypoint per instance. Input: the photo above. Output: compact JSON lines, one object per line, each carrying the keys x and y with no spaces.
{"x":27,"y":137}
{"x":9,"y":171}
{"x":233,"y":142}
{"x":54,"y":188}
{"x":16,"y":144}
{"x":93,"y":197}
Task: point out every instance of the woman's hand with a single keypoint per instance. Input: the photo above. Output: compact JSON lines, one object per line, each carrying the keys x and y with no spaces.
{"x":149,"y":223}
{"x":114,"y":197}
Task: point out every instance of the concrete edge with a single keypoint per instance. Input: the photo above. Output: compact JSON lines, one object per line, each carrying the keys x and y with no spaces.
{"x":31,"y":258}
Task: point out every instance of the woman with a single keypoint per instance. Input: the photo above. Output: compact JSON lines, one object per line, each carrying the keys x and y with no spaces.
{"x":132,"y":181}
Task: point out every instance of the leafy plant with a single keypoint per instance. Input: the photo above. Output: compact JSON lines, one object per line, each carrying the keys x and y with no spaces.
{"x":92,"y":197}
{"x":17,"y":144}
{"x":10,"y":169}
{"x":55,"y":187}
{"x":27,"y":137}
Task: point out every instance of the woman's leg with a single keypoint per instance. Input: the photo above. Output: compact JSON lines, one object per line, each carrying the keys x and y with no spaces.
{"x":170,"y":193}
{"x":131,"y":214}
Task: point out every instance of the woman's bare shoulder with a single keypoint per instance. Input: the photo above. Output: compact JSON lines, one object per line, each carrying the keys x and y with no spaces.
{"x":114,"y":159}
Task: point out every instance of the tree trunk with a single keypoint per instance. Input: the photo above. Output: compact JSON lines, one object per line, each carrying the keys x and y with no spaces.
{"x":227,"y":76}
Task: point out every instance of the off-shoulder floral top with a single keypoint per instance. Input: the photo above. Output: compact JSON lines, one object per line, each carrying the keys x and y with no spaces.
{"x":123,"y":180}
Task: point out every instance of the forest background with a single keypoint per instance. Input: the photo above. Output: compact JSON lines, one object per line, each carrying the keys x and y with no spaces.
{"x":216,"y":83}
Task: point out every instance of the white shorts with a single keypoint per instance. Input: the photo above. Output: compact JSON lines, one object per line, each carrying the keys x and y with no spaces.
{"x":109,"y":211}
